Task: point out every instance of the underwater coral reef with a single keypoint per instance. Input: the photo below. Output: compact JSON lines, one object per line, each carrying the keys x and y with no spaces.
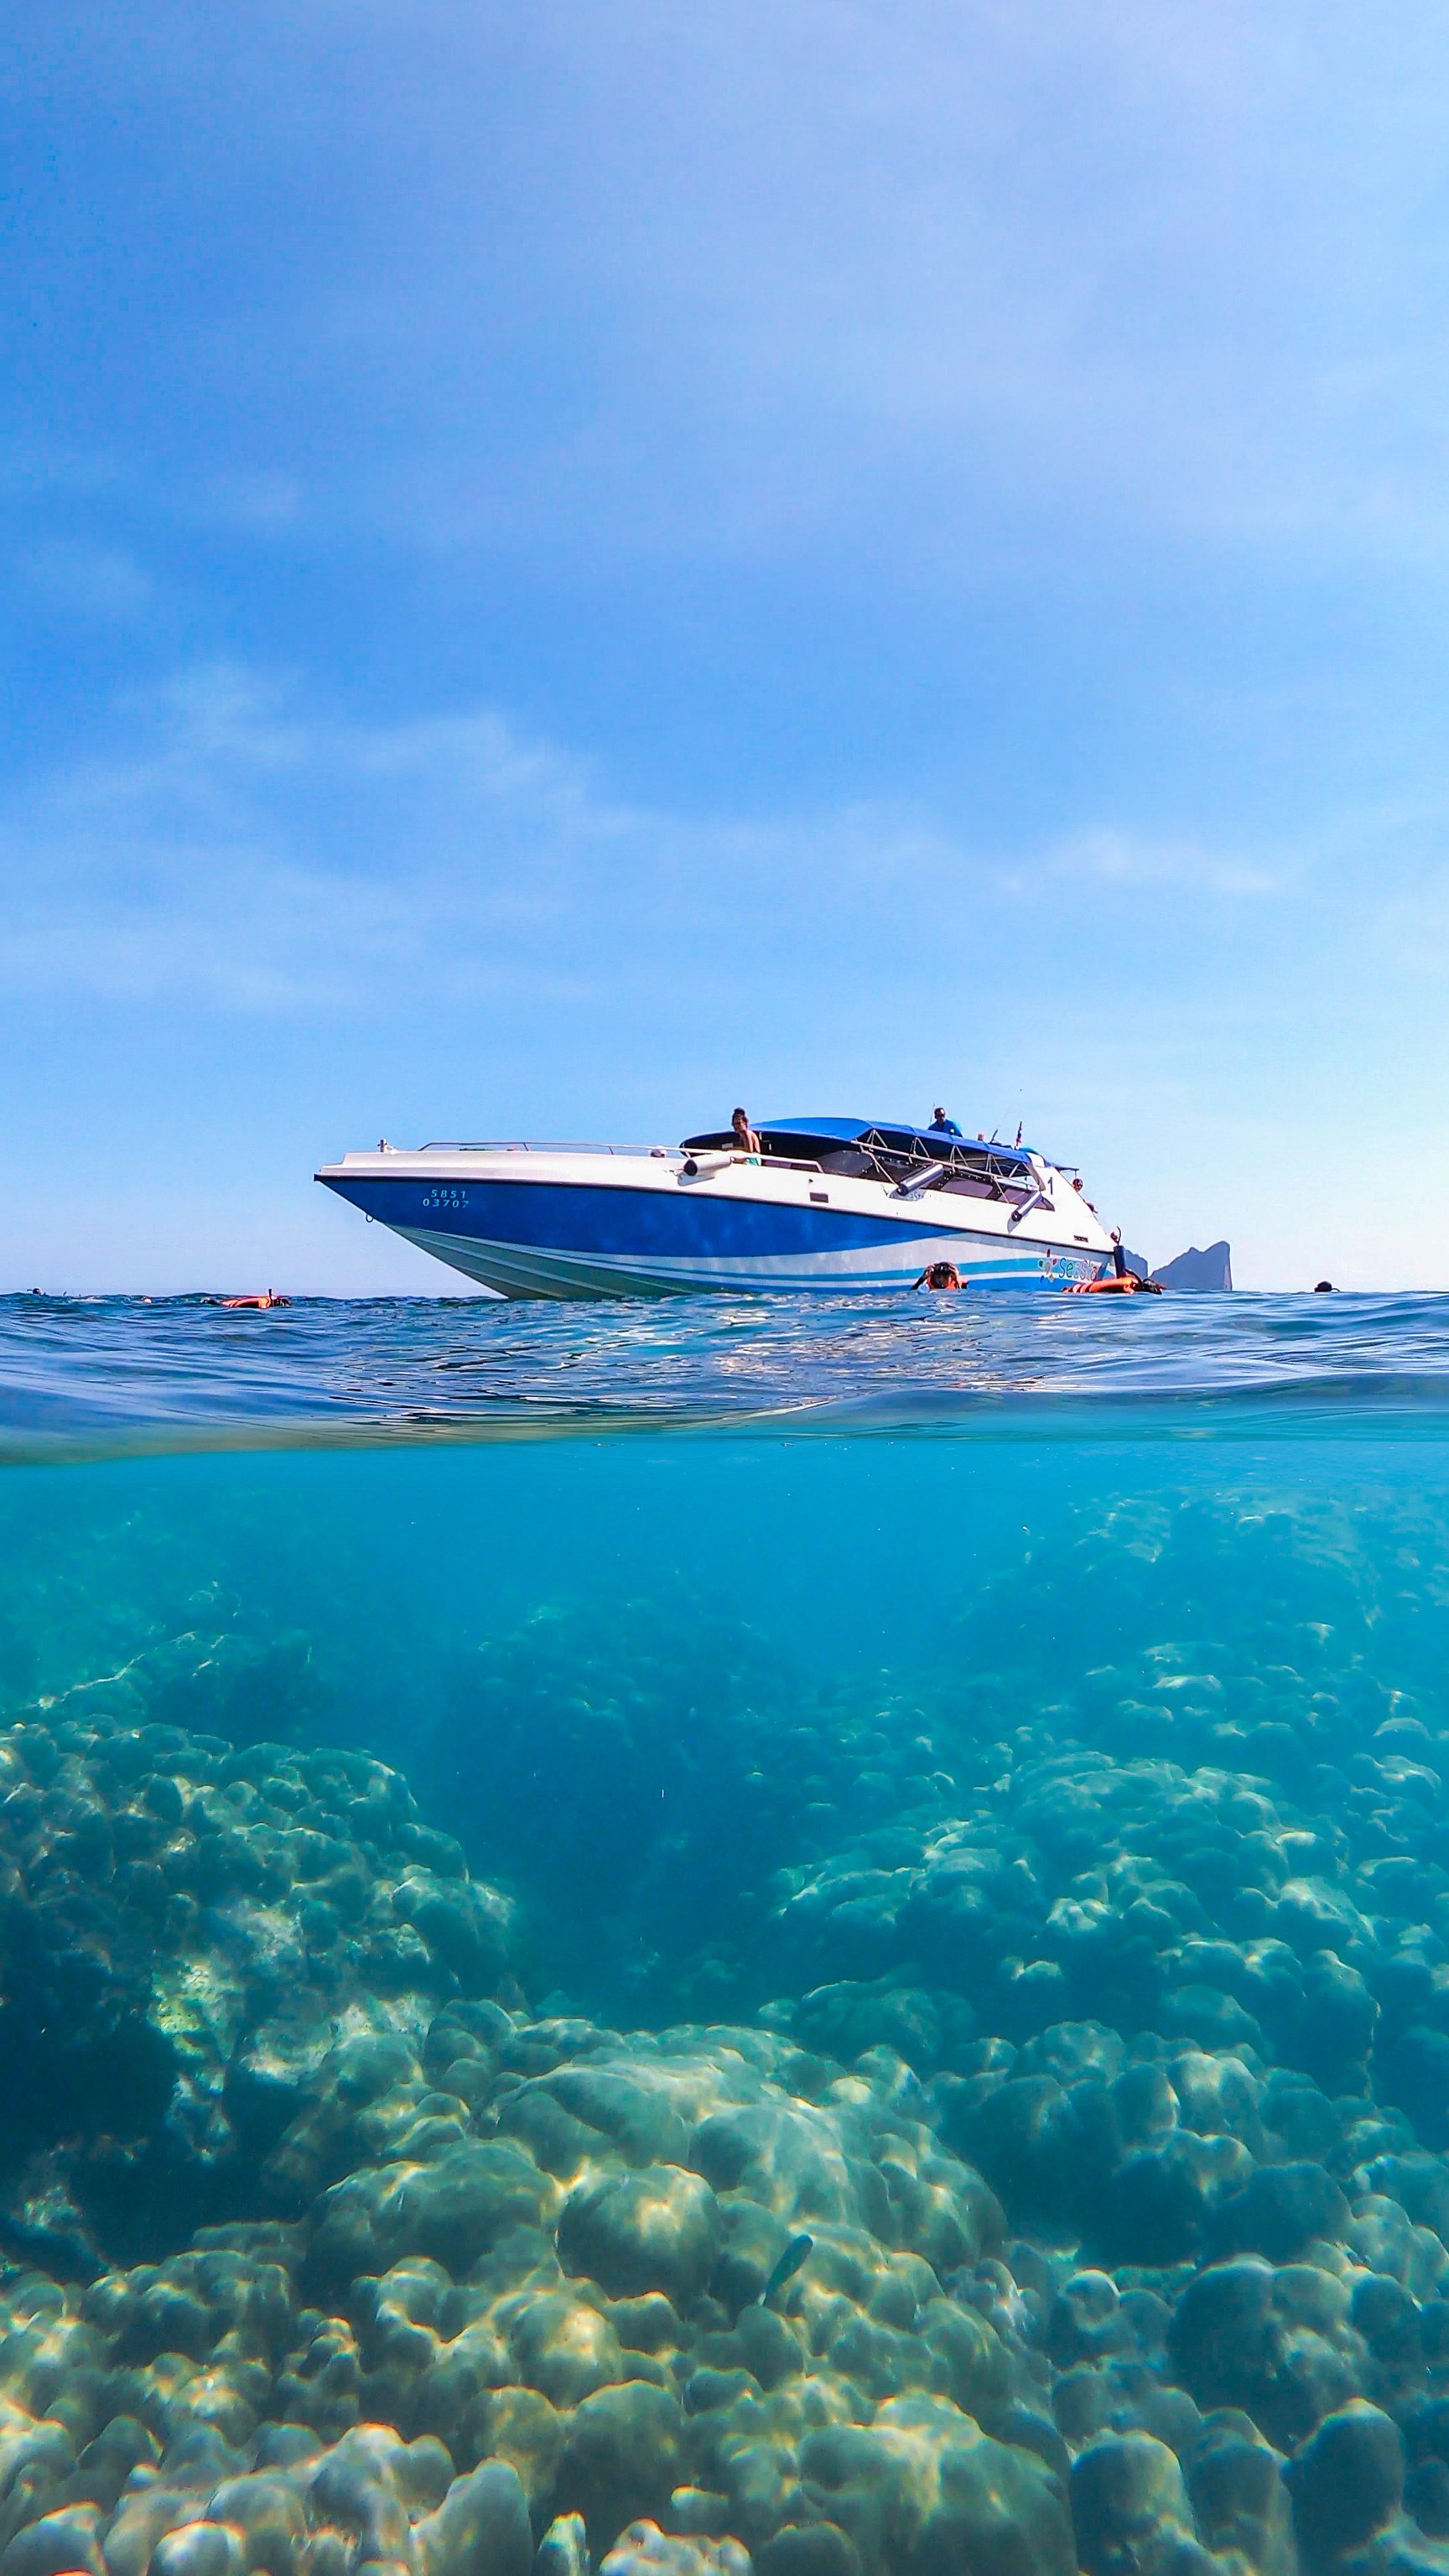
{"x":1062,"y":2181}
{"x":187,"y":1931}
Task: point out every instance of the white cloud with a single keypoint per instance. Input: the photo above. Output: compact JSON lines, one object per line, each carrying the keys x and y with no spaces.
{"x":237,"y":853}
{"x":1123,"y":859}
{"x":239,"y":848}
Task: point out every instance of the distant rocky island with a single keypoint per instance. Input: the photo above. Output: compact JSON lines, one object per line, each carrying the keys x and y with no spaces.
{"x":1212,"y":1269}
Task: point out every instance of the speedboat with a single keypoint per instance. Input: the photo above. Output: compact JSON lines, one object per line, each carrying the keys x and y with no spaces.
{"x":832,"y":1204}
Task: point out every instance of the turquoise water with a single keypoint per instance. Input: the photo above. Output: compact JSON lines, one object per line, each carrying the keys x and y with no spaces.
{"x":73,"y":1367}
{"x":512,"y":1820}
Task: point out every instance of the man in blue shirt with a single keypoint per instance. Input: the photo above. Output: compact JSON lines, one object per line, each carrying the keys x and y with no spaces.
{"x":941,"y":1125}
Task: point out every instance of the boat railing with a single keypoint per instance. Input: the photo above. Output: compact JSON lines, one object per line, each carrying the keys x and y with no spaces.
{"x":972,"y":1157}
{"x":714,"y":1161}
{"x":536,"y":1145}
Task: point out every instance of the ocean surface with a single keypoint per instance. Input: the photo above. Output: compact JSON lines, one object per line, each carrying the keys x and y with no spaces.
{"x":734,"y":1929}
{"x":72,"y":1365}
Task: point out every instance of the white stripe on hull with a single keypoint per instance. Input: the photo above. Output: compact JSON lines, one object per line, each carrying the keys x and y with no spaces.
{"x":526,"y":1270}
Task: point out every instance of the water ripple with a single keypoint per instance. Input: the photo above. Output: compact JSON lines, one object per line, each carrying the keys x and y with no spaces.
{"x":82,"y":1368}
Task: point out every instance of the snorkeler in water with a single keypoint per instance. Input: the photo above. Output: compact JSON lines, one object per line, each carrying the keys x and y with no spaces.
{"x":1121,"y":1283}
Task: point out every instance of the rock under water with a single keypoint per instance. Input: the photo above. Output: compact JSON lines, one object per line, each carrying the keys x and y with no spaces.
{"x":1090,"y":2028}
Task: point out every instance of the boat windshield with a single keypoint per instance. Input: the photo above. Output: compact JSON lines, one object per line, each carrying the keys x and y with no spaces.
{"x":884,"y":1147}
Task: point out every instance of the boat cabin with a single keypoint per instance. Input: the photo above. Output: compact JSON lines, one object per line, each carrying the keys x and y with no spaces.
{"x":882,"y":1149}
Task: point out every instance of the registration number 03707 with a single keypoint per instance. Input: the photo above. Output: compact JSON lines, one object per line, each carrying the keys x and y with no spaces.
{"x":441,"y":1195}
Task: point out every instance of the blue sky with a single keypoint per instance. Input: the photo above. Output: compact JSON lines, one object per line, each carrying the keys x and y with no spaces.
{"x":566,"y":565}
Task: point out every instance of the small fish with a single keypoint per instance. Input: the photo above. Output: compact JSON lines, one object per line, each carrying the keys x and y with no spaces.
{"x":789,"y":2264}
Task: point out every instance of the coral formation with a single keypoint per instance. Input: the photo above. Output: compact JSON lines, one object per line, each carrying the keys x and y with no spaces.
{"x":187,"y":1931}
{"x":1107,"y":2077}
{"x":661,"y":1725}
{"x":537,"y":2293}
{"x":529,"y":2313}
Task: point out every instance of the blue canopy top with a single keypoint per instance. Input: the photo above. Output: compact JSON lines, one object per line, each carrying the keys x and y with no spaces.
{"x":844,"y":1131}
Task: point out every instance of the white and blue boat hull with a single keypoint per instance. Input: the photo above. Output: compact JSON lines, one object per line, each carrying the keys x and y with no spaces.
{"x":565,"y":1223}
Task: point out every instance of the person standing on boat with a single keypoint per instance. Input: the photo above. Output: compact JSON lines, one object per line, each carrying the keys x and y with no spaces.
{"x":746,"y":1137}
{"x":941,"y":1125}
